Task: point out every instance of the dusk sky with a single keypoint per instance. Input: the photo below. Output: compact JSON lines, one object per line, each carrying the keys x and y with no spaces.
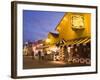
{"x":37,"y":24}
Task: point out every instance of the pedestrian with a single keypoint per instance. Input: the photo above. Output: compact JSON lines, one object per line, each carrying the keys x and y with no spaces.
{"x":32,"y":54}
{"x":69,"y":49}
{"x":42,"y":55}
{"x":39,"y":54}
{"x":65,"y":53}
{"x":25,"y":51}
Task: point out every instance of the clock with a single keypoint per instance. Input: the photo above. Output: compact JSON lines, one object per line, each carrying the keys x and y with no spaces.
{"x":77,"y":22}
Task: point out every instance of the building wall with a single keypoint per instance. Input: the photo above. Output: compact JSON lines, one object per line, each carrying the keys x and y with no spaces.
{"x":67,"y":33}
{"x":52,"y":39}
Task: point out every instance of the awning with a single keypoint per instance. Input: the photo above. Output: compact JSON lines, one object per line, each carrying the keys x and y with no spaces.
{"x":77,"y":41}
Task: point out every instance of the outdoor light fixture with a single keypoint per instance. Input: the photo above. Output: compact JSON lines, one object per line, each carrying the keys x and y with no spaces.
{"x":47,"y":40}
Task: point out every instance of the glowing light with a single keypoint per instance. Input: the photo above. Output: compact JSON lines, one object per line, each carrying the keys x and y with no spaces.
{"x":48,"y":40}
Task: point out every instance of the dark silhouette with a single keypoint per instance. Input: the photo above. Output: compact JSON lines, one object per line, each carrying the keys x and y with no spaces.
{"x":39,"y":55}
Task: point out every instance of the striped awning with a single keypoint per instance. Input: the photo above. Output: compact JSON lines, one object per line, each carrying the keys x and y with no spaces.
{"x":77,"y":41}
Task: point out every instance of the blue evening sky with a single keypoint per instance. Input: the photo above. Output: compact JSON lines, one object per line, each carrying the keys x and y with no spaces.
{"x":37,"y":24}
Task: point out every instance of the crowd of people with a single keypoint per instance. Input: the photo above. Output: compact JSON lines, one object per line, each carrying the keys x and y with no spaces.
{"x":61,"y":53}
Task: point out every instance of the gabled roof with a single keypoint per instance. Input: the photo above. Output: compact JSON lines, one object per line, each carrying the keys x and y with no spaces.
{"x":60,"y":21}
{"x":56,"y":35}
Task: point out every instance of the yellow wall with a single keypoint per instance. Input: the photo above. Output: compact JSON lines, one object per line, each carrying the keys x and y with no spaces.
{"x":67,"y":33}
{"x":52,"y":40}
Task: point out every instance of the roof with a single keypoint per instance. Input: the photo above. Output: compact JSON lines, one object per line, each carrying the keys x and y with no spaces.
{"x":60,"y":21}
{"x":83,"y":40}
{"x":56,"y":35}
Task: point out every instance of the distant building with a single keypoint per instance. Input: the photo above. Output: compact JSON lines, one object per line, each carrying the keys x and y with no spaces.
{"x":52,"y":38}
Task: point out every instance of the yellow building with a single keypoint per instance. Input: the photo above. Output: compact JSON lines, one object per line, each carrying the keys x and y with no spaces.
{"x":74,"y":26}
{"x":52,"y":39}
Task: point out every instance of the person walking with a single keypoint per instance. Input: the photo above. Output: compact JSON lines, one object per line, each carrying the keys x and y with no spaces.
{"x":70,"y":53}
{"x":39,"y":54}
